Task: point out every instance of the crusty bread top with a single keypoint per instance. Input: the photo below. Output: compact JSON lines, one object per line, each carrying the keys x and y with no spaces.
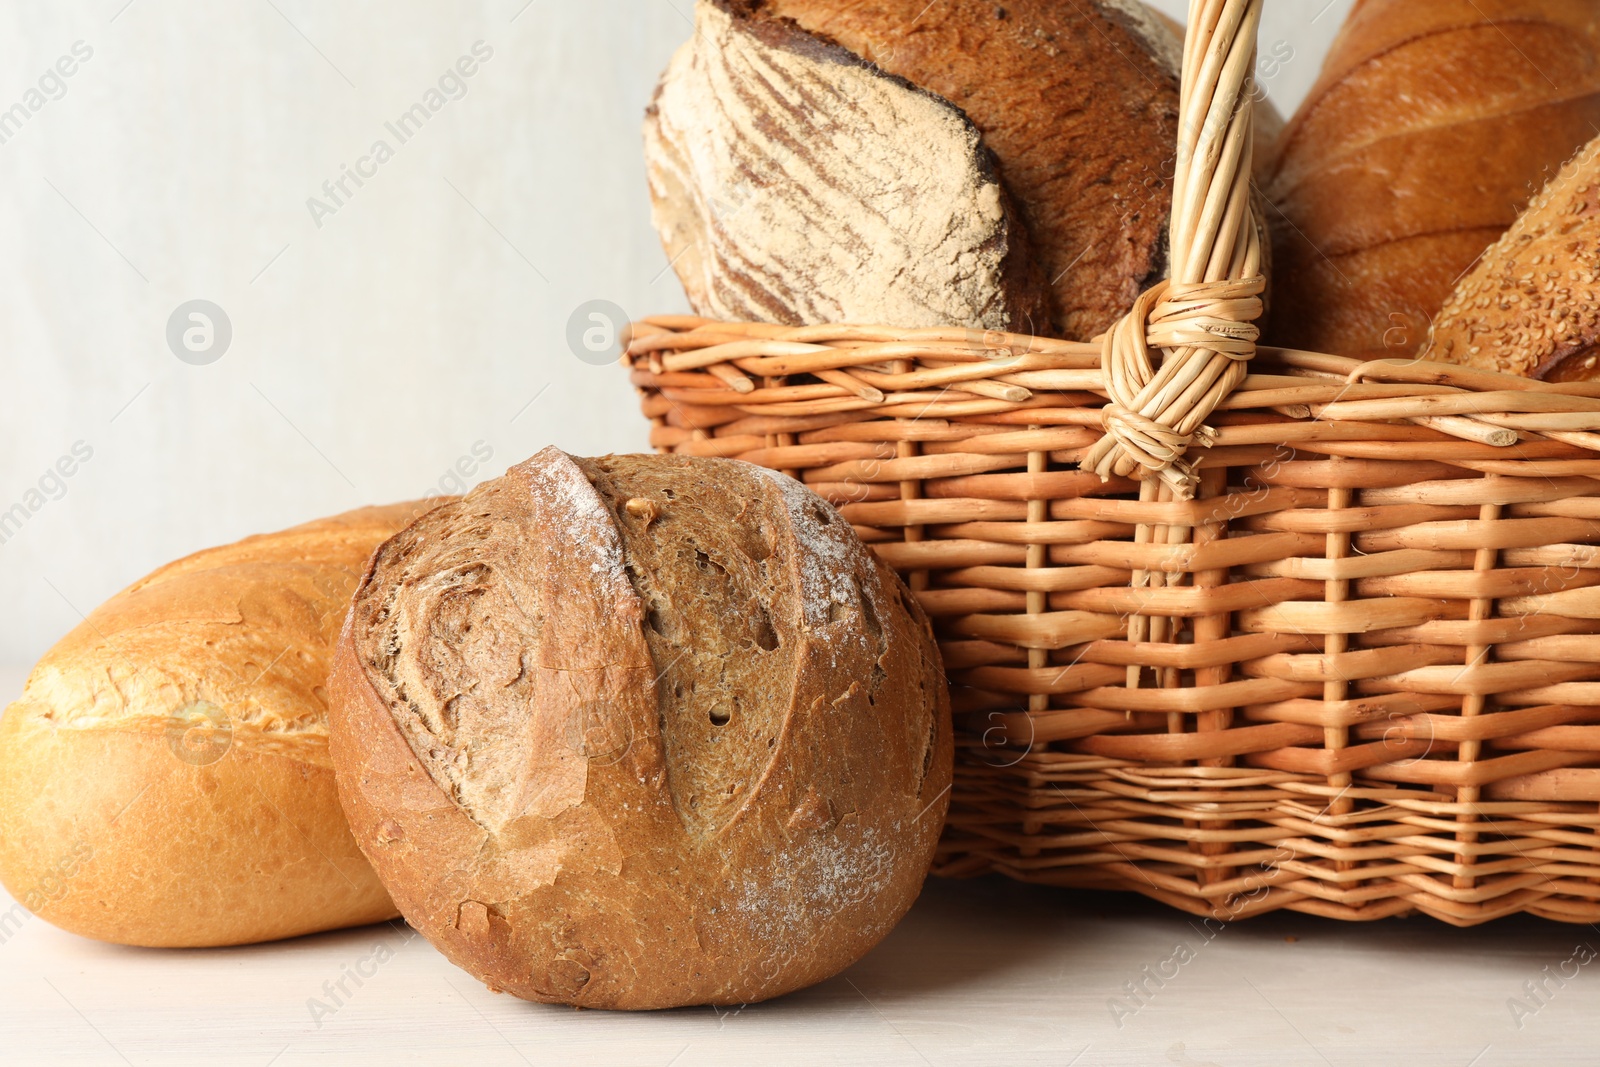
{"x":1531,"y":305}
{"x":1078,"y":101}
{"x":439,"y":619}
{"x":1375,"y":28}
{"x":1433,"y":74}
{"x":793,"y":182}
{"x":1429,"y":128}
{"x":238,"y":636}
{"x":641,"y":731}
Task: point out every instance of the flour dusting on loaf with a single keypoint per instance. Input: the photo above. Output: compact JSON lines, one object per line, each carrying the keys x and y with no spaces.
{"x":825,"y":879}
{"x":793,"y":182}
{"x":705,"y":765}
{"x":558,"y":484}
{"x":1078,"y":102}
{"x":832,"y":556}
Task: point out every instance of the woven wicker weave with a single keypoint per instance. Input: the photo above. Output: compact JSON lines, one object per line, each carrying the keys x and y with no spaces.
{"x":1325,"y":636}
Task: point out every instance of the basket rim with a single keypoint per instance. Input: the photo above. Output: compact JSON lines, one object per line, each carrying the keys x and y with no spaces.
{"x":874,"y":371}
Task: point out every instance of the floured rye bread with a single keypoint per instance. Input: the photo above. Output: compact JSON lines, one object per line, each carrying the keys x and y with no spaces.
{"x":792,"y":182}
{"x":1079,"y":103}
{"x":641,"y":731}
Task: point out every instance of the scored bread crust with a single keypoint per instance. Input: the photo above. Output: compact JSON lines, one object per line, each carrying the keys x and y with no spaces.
{"x":793,"y":182}
{"x":641,"y":732}
{"x":1428,"y":130}
{"x":164,"y":778}
{"x":1078,"y":102}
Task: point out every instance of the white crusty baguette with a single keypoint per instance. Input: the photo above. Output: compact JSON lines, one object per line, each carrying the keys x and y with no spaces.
{"x":164,"y":778}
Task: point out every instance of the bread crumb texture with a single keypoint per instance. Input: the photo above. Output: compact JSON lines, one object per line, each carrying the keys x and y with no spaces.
{"x":642,"y":731}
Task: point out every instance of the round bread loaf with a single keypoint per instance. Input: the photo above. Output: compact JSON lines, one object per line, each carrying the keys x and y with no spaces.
{"x":999,"y":166}
{"x":641,"y":732}
{"x":165,"y":779}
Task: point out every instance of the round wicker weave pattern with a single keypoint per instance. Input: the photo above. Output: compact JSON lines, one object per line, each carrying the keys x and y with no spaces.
{"x":1340,"y":654}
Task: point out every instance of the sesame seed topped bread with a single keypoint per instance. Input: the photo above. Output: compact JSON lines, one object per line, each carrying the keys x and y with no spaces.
{"x":1531,"y":305}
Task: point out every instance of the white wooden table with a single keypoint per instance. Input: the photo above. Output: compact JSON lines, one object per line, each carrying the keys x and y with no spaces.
{"x":981,"y":972}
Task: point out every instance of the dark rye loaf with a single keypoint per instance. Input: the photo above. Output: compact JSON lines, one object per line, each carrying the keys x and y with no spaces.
{"x":641,"y":731}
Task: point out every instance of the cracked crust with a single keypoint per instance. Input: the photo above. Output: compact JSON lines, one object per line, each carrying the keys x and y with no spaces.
{"x":641,"y":732}
{"x":164,"y":778}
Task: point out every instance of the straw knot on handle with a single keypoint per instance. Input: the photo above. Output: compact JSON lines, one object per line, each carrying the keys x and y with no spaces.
{"x":1200,"y":319}
{"x":1155,"y":416}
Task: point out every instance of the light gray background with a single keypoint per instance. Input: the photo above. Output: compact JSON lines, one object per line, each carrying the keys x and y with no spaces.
{"x":369,"y":354}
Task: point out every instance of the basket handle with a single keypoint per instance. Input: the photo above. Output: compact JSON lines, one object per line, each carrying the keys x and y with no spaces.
{"x":1202,"y":317}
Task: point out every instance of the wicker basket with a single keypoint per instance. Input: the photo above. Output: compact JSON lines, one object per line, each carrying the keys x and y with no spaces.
{"x":1299,"y":632}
